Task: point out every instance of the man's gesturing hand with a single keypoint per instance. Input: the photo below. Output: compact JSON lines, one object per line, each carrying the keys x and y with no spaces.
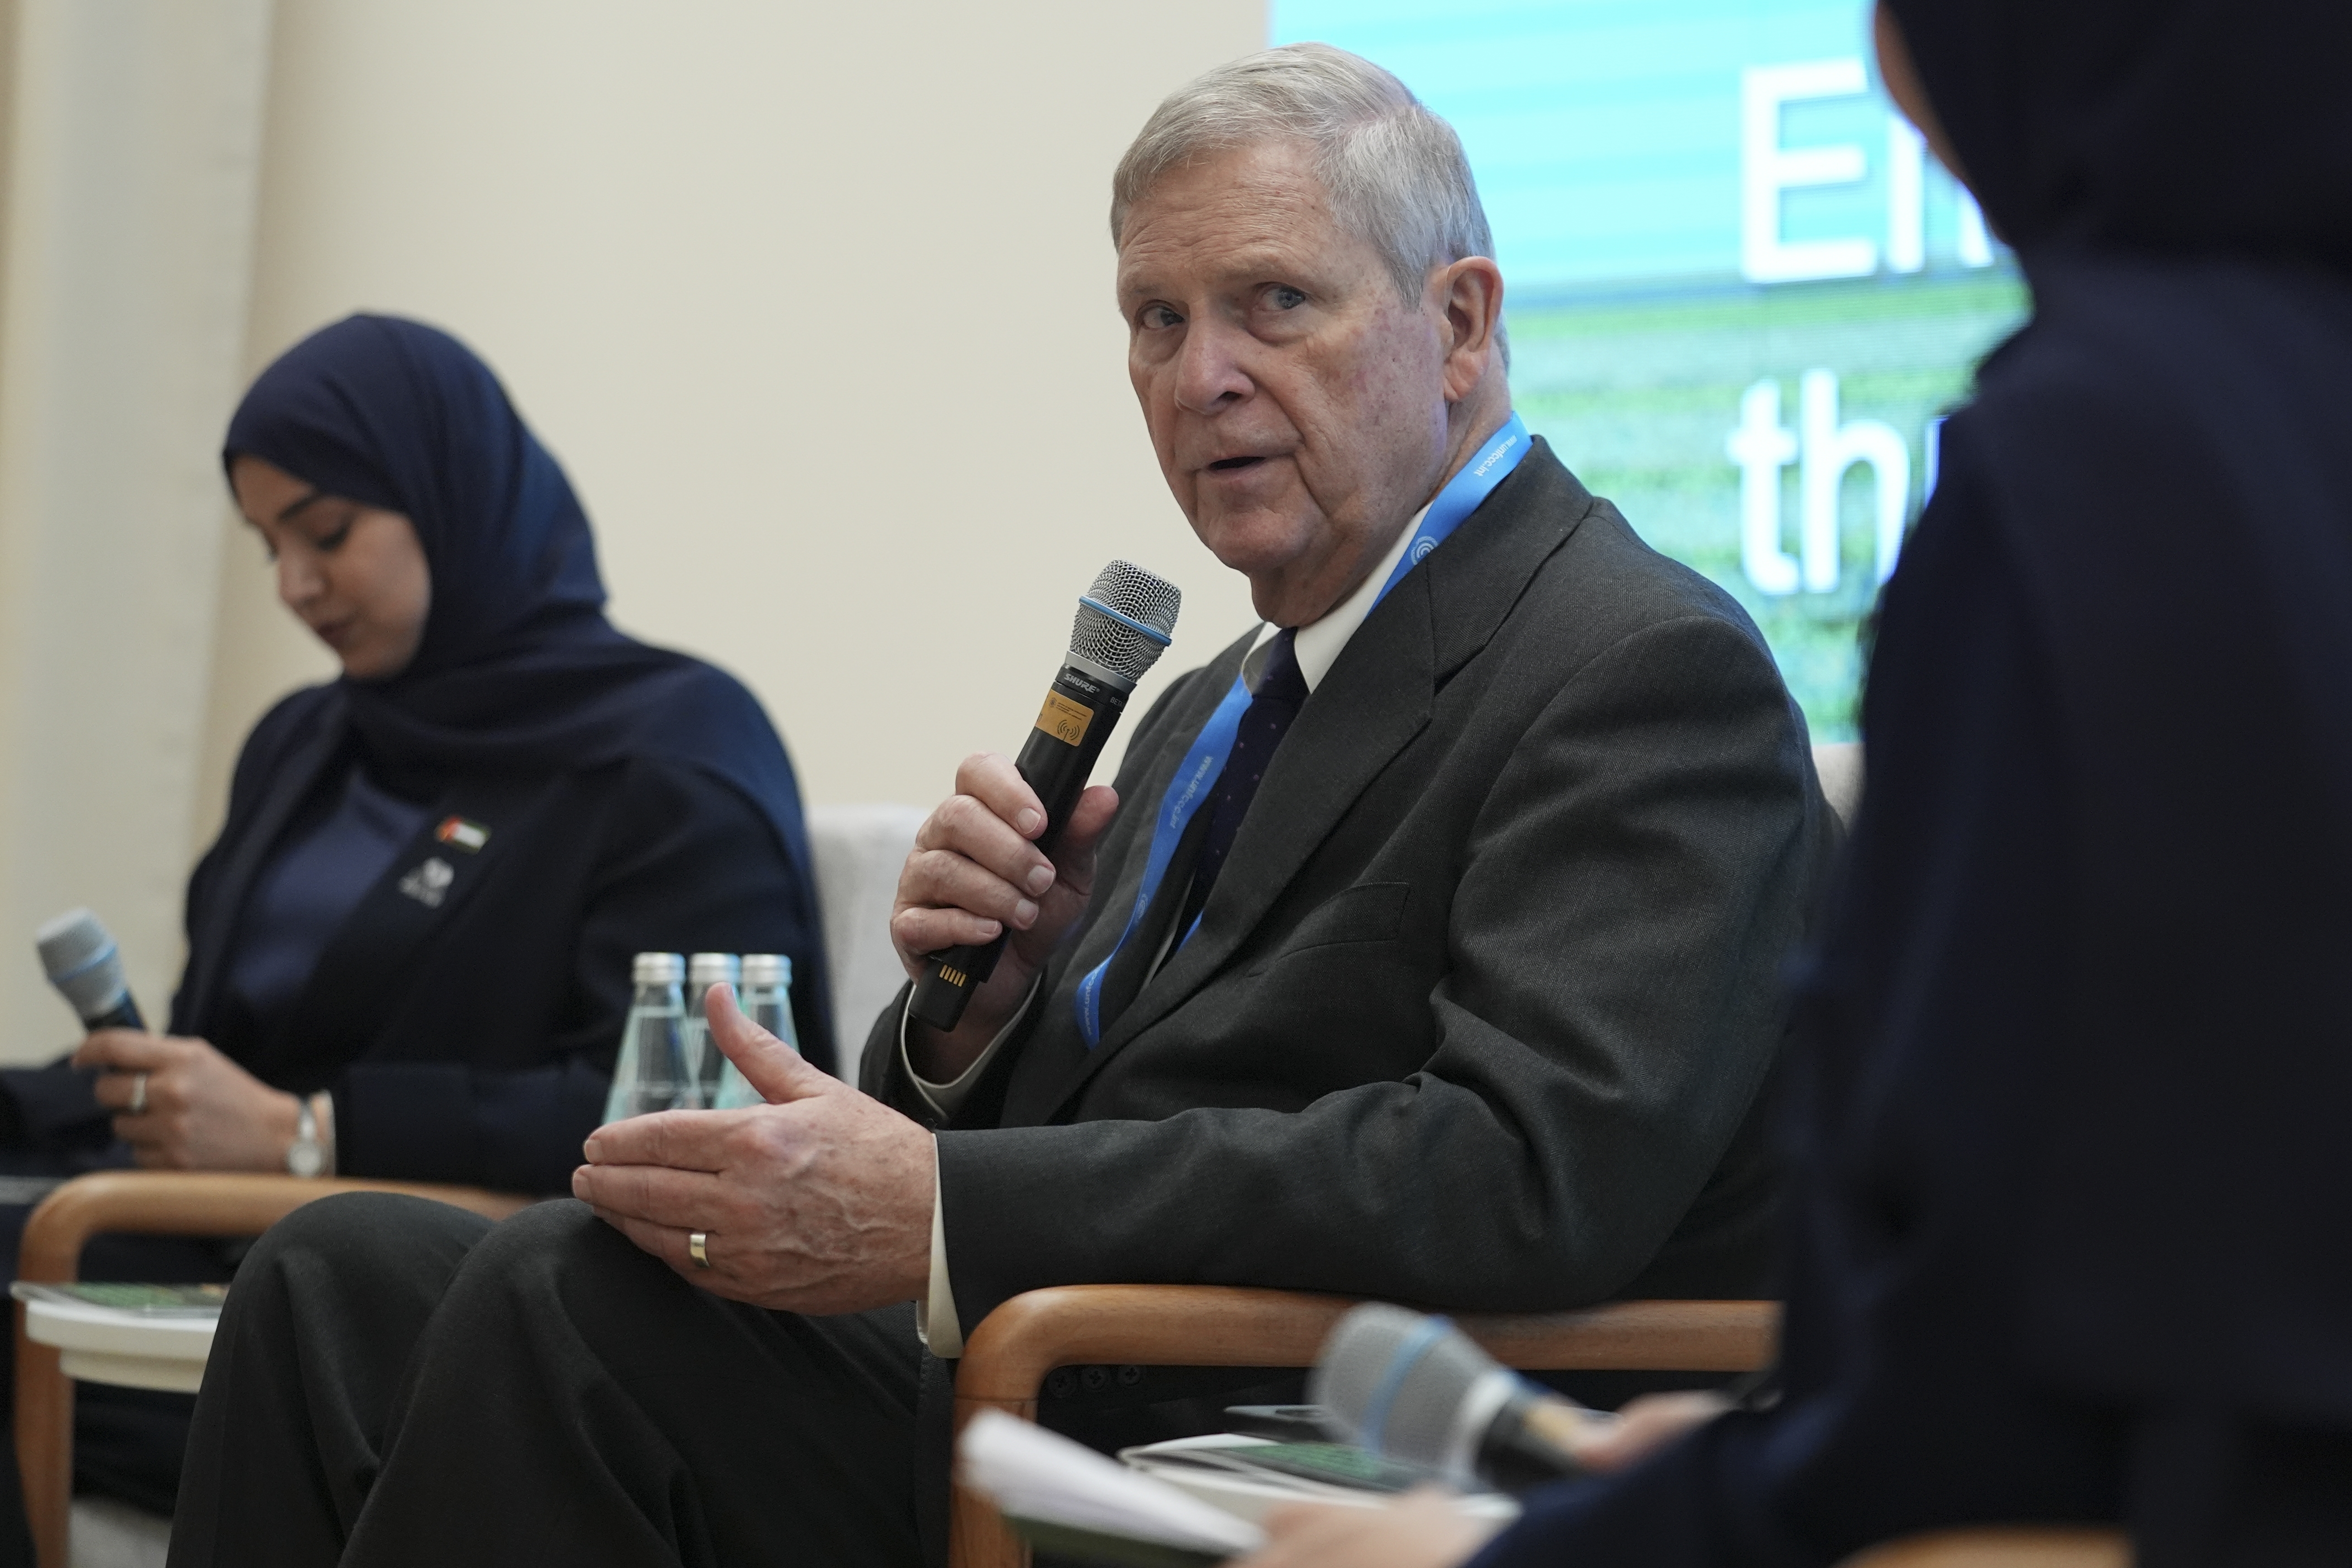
{"x":975,"y":870}
{"x":819,"y":1201}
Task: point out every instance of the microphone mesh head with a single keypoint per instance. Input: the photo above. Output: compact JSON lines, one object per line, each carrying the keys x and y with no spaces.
{"x":1396,"y":1382}
{"x":1124,"y":590}
{"x":79,"y":955}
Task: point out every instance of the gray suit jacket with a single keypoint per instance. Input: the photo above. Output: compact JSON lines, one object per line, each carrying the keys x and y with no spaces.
{"x":1481,"y":1008}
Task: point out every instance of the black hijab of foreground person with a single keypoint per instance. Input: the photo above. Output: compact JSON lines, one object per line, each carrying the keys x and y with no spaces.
{"x":2212,"y":127}
{"x":2162,"y":453}
{"x":519,"y":674}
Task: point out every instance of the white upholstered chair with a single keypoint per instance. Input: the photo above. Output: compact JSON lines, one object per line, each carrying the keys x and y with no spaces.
{"x":1838,"y":763}
{"x":859,"y":850}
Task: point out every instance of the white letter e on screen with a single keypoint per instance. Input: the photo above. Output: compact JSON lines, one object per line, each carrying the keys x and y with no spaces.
{"x":1767,"y":169}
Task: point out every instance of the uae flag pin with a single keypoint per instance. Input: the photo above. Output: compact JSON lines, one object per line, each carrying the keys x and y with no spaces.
{"x":462,"y":834}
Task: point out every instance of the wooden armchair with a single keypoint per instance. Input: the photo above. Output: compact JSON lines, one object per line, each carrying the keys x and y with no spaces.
{"x":150,"y":1203}
{"x":1008,"y":1357}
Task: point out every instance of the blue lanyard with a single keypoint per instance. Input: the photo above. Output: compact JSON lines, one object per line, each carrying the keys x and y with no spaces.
{"x":1196,"y":776}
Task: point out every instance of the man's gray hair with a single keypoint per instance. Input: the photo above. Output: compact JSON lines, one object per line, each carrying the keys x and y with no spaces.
{"x":1394,"y":173}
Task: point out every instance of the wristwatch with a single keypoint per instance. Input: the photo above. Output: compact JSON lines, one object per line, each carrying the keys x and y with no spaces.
{"x":307,"y":1156}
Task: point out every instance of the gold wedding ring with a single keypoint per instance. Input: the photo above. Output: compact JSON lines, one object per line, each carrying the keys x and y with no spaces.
{"x":139,"y":1094}
{"x":698,"y":1247}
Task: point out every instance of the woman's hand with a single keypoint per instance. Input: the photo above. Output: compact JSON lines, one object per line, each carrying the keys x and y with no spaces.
{"x":202,"y":1111}
{"x":1646,"y":1425}
{"x":1425,"y":1528}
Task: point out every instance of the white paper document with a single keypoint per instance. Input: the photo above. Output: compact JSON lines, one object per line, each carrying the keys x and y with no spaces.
{"x":1035,"y":1475}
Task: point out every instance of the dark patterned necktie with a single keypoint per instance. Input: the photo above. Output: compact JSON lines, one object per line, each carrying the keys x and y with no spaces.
{"x":1281,"y":689}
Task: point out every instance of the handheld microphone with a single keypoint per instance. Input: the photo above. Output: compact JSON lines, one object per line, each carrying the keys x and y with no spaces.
{"x":79,"y":955}
{"x":1417,"y":1389}
{"x":1124,"y":624}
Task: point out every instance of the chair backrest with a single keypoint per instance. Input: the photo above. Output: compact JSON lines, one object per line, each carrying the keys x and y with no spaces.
{"x":859,"y":851}
{"x":1838,"y":763}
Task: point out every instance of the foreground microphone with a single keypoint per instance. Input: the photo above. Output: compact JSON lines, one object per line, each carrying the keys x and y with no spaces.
{"x":1416,"y":1389}
{"x":1124,"y":623}
{"x":80,"y":957}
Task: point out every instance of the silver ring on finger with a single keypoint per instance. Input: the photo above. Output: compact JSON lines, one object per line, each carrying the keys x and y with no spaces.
{"x":698,"y":1247}
{"x":139,"y":1094}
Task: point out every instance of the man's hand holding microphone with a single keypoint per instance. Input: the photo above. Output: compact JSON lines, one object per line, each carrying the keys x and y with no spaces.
{"x":978,"y":873}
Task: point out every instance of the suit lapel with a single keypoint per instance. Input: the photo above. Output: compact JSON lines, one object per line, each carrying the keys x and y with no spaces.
{"x":1375,"y":700}
{"x":1367,"y":710}
{"x":1474,"y":590}
{"x":343,"y":1004}
{"x":289,"y":786}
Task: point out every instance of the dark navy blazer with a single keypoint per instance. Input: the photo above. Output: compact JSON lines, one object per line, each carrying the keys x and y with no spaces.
{"x":467,"y":1013}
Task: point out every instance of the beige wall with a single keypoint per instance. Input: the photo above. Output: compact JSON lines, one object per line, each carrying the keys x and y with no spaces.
{"x":813,"y":300}
{"x":132,"y":148}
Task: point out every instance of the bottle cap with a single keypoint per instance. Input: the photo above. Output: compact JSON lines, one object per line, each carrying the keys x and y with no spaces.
{"x":711,"y":969}
{"x":767,"y":969}
{"x":658,"y":969}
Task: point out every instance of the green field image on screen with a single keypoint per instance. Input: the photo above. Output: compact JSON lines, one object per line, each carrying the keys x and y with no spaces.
{"x":1640,"y":396}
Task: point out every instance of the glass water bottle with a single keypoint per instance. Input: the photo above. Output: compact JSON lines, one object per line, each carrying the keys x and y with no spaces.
{"x":651,"y":1074}
{"x":703,"y":971}
{"x":767,"y":999}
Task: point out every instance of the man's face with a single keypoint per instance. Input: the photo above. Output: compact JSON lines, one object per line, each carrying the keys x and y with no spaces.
{"x":1297,"y":403}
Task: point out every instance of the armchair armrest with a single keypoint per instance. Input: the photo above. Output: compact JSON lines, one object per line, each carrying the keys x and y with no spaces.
{"x":1007,"y":1357}
{"x":150,"y":1203}
{"x":2022,"y":1546}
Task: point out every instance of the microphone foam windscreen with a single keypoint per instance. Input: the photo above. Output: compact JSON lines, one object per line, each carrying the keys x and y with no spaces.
{"x":1126,"y":619}
{"x":1397,"y":1383}
{"x":79,"y":955}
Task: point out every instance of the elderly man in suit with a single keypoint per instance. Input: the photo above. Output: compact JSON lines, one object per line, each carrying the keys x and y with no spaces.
{"x":1458,"y":984}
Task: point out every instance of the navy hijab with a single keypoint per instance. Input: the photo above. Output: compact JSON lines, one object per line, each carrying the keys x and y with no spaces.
{"x":2177,"y":127}
{"x":519,"y":674}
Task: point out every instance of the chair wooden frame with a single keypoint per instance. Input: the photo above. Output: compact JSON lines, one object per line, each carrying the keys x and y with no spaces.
{"x":1008,"y":1357}
{"x":148,"y":1203}
{"x":2025,"y":1546}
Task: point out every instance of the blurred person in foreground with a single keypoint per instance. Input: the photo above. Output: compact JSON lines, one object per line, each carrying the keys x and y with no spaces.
{"x":408,"y":950}
{"x":2074,"y":1200}
{"x":1462,"y":984}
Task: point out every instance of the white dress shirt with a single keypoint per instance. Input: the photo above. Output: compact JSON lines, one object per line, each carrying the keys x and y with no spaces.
{"x":1316,"y":647}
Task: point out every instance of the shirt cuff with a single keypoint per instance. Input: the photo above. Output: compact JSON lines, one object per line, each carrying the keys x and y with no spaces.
{"x":935,"y":1315}
{"x":323,"y":1106}
{"x":947,"y":1098}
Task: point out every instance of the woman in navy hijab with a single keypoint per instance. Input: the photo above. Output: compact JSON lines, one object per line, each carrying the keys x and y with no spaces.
{"x":2072,"y":1212}
{"x":418,"y":921}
